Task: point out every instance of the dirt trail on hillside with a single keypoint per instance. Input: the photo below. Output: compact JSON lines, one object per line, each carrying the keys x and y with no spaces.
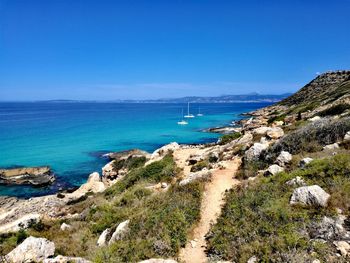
{"x":212,"y":202}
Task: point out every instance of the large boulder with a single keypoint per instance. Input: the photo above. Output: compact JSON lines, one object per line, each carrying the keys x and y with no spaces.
{"x":284,"y":158}
{"x":64,"y":259}
{"x":32,"y":249}
{"x":275,"y":133}
{"x":261,"y":130}
{"x":310,"y":196}
{"x":104,"y":237}
{"x":120,"y":232}
{"x":273,"y":170}
{"x":254,"y":152}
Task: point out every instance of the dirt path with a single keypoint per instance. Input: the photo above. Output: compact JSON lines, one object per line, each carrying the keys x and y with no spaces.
{"x":222,"y":180}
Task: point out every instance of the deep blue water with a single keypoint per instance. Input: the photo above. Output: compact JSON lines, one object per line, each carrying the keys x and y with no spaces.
{"x":70,"y":137}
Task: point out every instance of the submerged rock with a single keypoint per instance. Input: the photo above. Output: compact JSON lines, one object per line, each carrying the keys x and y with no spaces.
{"x":32,"y":249}
{"x":310,"y":195}
{"x":36,"y":176}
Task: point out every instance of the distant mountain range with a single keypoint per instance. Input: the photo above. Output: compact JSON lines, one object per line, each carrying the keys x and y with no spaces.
{"x":251,"y":97}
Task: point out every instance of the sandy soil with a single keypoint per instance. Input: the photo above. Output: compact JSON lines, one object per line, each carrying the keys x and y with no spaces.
{"x":222,"y":180}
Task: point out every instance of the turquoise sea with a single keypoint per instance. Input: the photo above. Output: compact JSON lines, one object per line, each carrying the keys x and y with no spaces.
{"x":71,"y":137}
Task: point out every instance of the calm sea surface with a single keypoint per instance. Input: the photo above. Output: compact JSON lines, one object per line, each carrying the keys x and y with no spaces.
{"x":71,"y":137}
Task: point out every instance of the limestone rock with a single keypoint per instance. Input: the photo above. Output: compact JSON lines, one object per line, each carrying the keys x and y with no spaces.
{"x":310,"y":195}
{"x":305,"y":162}
{"x":64,"y":259}
{"x":314,"y":119}
{"x":284,"y":158}
{"x":347,"y":136}
{"x":343,"y":247}
{"x":22,"y":222}
{"x":205,"y":173}
{"x":65,"y":227}
{"x":297,"y":181}
{"x":120,"y":232}
{"x":275,"y":133}
{"x":161,"y":152}
{"x":253,"y":259}
{"x":330,"y":229}
{"x":108,"y":171}
{"x":331,"y":147}
{"x":32,"y":249}
{"x":103,"y":239}
{"x":273,"y":170}
{"x":254,"y":152}
{"x":261,"y":130}
{"x":37,"y":176}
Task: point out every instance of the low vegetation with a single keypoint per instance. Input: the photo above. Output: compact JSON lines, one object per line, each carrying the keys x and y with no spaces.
{"x":226,"y":138}
{"x":258,"y":220}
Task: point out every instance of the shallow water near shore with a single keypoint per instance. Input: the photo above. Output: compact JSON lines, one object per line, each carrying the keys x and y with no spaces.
{"x":71,"y":137}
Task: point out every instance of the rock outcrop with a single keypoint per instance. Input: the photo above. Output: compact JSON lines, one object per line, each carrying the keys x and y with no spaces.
{"x":273,"y":170}
{"x":32,"y":249}
{"x":203,"y":174}
{"x":284,"y":158}
{"x":255,"y":151}
{"x":36,"y":176}
{"x":310,"y":196}
{"x":120,"y":232}
{"x":104,"y":237}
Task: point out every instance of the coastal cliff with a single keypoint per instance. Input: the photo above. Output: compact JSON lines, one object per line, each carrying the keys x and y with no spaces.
{"x":274,"y":189}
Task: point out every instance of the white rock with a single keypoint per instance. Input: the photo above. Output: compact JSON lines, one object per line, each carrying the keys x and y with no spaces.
{"x":64,"y":259}
{"x":253,"y":259}
{"x":316,"y":261}
{"x":343,"y":247}
{"x":274,"y":169}
{"x":164,"y":185}
{"x":347,"y":136}
{"x":205,"y":173}
{"x":284,"y":158}
{"x":316,"y":118}
{"x":331,"y":228}
{"x":65,"y":227}
{"x":158,"y":260}
{"x":120,"y":232}
{"x":32,"y":249}
{"x":278,"y":123}
{"x":297,"y":181}
{"x":331,"y":147}
{"x":305,"y":162}
{"x":275,"y":133}
{"x":103,"y":238}
{"x":108,"y":171}
{"x":159,"y":153}
{"x":310,"y":195}
{"x":254,"y":152}
{"x":20,"y":223}
{"x":261,"y":130}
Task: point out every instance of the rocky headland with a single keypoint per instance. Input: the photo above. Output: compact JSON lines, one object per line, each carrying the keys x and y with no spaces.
{"x":36,"y":176}
{"x":274,"y":189}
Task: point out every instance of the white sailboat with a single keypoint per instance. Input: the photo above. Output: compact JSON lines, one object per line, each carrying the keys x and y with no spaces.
{"x":199,"y":112}
{"x":182,"y":122}
{"x":189,"y":115}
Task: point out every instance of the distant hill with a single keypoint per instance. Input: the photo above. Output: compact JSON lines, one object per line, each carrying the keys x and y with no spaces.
{"x":252,"y":97}
{"x":327,"y":88}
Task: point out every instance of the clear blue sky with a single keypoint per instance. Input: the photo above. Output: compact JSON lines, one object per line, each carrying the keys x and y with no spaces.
{"x":104,"y":50}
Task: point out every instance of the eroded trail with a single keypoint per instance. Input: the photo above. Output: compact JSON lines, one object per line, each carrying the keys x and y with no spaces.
{"x":212,"y":203}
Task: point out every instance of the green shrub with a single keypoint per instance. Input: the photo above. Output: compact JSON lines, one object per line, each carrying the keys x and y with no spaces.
{"x":258,"y":220}
{"x":226,"y":138}
{"x":312,"y":137}
{"x":335,"y":110}
{"x":200,"y":166}
{"x":158,"y":227}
